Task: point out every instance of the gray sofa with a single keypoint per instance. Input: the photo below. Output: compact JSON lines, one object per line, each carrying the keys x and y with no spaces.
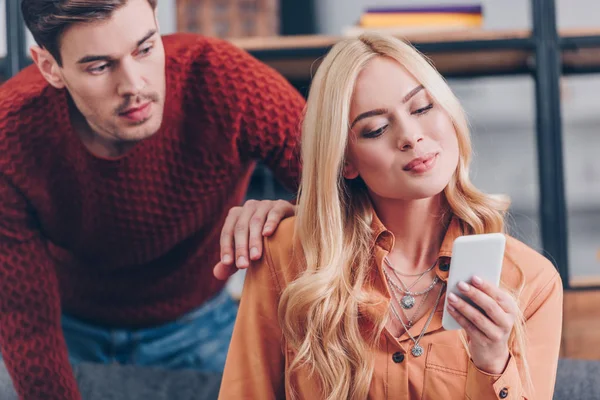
{"x":576,"y":380}
{"x":116,"y":382}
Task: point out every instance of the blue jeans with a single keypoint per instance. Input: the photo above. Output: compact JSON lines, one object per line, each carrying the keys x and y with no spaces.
{"x":198,"y":340}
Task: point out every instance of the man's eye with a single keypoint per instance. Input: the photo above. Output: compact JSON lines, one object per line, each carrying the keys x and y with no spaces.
{"x":145,"y":50}
{"x":99,"y":69}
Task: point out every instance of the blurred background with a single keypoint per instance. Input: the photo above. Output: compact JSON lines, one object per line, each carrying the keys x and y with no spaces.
{"x":528,"y":76}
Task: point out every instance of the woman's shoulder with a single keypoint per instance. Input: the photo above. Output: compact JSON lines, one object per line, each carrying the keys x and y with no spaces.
{"x":283,"y":253}
{"x":525,"y":264}
{"x":533,"y":263}
{"x":283,"y":236}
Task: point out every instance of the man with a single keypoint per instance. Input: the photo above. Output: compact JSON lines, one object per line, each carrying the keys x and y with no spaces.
{"x":121,"y":153}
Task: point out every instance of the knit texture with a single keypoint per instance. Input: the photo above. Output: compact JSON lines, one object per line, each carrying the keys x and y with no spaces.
{"x":128,"y":242}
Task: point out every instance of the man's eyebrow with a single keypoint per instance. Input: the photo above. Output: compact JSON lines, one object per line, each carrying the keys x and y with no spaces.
{"x":89,"y":59}
{"x":150,"y":33}
{"x":94,"y":58}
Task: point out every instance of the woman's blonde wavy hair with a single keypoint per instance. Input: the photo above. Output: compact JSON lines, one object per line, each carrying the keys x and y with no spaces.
{"x":319,"y":311}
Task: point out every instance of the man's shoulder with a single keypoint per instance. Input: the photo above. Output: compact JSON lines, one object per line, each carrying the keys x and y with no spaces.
{"x":23,"y":97}
{"x":27,"y":103}
{"x":195,"y":48}
{"x":214,"y":61}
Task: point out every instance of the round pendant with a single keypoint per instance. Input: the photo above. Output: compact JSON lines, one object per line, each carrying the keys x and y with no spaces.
{"x":417,"y":350}
{"x":407,"y":302}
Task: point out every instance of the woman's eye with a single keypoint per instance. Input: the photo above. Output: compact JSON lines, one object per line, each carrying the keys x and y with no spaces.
{"x":376,"y":132}
{"x":423,"y":110}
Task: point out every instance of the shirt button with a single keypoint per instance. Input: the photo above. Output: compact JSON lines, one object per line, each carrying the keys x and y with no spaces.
{"x":503,"y":393}
{"x":444,"y":267}
{"x":398,"y":357}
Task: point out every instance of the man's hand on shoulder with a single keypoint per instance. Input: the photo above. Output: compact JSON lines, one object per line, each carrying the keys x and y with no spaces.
{"x":243,"y":232}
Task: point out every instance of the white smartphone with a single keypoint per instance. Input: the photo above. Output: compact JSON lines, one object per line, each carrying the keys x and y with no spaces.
{"x":480,"y":255}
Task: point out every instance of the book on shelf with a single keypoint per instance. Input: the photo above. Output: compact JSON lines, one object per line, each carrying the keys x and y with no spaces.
{"x":403,"y":20}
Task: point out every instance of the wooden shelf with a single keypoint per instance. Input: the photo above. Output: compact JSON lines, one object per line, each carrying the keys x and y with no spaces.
{"x":581,"y":325}
{"x":457,"y":53}
{"x":578,"y":282}
{"x":580,"y":51}
{"x":470,"y":52}
{"x":318,"y":41}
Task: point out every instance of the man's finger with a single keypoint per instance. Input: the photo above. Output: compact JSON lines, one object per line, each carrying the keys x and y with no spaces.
{"x":223,"y":271}
{"x":257,"y":223}
{"x":226,"y":240}
{"x":281,"y":210}
{"x":241,"y":232}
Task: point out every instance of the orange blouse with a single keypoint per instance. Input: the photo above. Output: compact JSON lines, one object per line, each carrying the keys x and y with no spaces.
{"x":259,"y":355}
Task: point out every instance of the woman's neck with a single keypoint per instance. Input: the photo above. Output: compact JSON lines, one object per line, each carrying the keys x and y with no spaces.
{"x":418,"y":226}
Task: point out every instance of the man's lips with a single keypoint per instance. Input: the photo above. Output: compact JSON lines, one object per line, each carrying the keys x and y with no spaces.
{"x":134,"y":109}
{"x":139,"y":113}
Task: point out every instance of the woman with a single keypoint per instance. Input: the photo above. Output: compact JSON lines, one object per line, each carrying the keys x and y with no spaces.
{"x":347,"y":301}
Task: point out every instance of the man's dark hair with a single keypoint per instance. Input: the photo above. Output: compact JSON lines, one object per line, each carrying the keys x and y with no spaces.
{"x":48,"y":19}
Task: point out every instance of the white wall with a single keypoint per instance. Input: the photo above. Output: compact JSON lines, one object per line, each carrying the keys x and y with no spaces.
{"x":167,"y":16}
{"x":2,"y":28}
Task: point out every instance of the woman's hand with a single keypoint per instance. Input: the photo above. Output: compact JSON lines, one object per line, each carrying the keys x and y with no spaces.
{"x":488,"y":330}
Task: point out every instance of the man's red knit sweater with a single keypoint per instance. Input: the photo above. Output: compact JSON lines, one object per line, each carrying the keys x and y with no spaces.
{"x":128,"y":242}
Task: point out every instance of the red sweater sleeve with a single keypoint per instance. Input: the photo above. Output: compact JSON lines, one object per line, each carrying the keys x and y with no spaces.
{"x":271,"y":124}
{"x":31,"y":339}
{"x":267,"y":108}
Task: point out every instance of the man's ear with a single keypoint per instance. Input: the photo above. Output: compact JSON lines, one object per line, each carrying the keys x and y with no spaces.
{"x":48,"y":66}
{"x":350,"y":171}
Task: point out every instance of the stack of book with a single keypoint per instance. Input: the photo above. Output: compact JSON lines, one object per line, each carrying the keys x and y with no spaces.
{"x":418,"y":19}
